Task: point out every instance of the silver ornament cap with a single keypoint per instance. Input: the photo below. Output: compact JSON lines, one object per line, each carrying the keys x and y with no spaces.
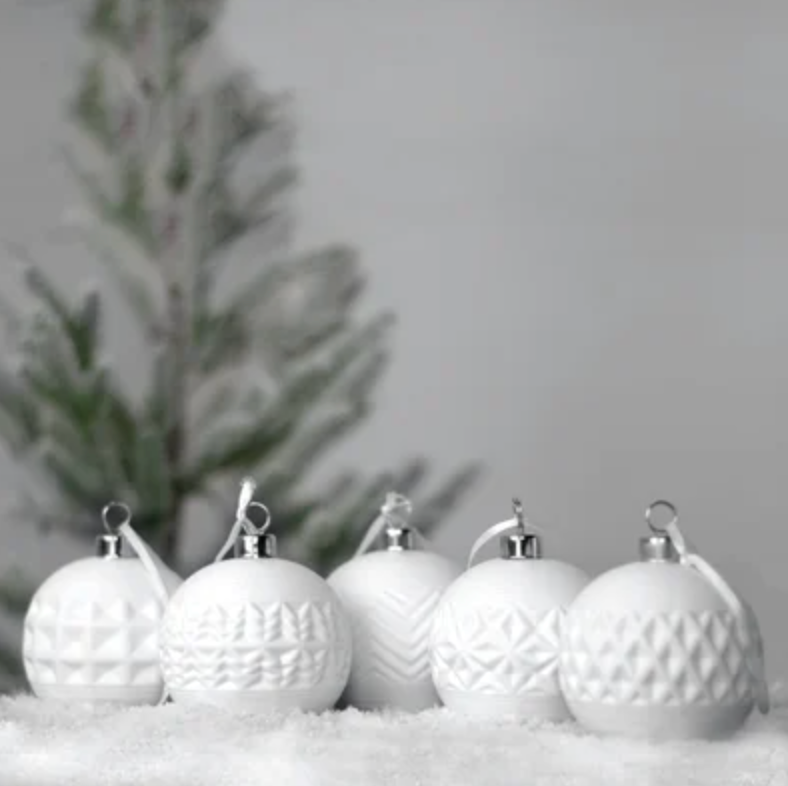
{"x":659,"y":547}
{"x":258,"y":545}
{"x":398,"y":538}
{"x":255,"y":542}
{"x":520,"y":544}
{"x":109,"y":546}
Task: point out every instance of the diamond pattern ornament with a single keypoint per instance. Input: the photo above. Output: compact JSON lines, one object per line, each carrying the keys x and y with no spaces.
{"x":256,"y":634}
{"x":91,"y":633}
{"x":391,"y":598}
{"x":651,"y":649}
{"x":496,"y":636}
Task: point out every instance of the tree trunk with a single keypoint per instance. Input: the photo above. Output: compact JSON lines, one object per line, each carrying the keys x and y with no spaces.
{"x":176,"y":426}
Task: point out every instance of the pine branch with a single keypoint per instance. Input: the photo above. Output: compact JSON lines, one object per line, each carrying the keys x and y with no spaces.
{"x":433,"y":510}
{"x":230,"y":218}
{"x":19,"y":411}
{"x":248,"y":444}
{"x":285,"y":472}
{"x":88,"y":108}
{"x":11,"y":666}
{"x":104,"y":22}
{"x":152,"y":480}
{"x":126,"y":213}
{"x":266,"y":381}
{"x":135,"y":291}
{"x":331,"y":545}
{"x":15,"y":593}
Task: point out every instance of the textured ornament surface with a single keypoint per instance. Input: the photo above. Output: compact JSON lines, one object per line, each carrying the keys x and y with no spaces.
{"x":651,"y":650}
{"x":496,"y":637}
{"x":497,"y":650}
{"x":391,"y":599}
{"x":670,"y":658}
{"x":92,"y":632}
{"x":254,"y":646}
{"x":268,"y":628}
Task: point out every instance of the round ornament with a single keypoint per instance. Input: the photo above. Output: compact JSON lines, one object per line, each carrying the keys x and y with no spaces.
{"x":662,"y":648}
{"x":255,"y":632}
{"x":391,"y":597}
{"x":91,"y":633}
{"x":496,"y":636}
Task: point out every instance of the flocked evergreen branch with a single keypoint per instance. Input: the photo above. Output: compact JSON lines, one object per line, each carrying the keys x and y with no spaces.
{"x":179,"y":160}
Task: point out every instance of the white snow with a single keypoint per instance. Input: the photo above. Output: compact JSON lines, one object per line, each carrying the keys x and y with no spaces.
{"x":48,"y":743}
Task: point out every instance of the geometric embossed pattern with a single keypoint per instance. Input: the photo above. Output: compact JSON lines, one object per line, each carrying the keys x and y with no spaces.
{"x":669,"y":659}
{"x":391,"y":636}
{"x":89,"y":642}
{"x":497,"y":650}
{"x":252,"y":646}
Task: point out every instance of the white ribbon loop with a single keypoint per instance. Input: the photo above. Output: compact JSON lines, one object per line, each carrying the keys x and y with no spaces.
{"x":242,"y":522}
{"x":151,"y":562}
{"x":747,"y":632}
{"x":395,"y":512}
{"x":518,"y":521}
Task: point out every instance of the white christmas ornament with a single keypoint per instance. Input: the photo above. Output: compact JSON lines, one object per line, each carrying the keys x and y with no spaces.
{"x":91,"y":633}
{"x":390,"y":597}
{"x":256,"y":632}
{"x":662,"y":648}
{"x":496,"y":636}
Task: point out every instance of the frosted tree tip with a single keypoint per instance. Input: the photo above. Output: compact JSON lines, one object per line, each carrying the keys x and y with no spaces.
{"x":105,"y":363}
{"x":90,"y":289}
{"x":75,"y":218}
{"x":29,"y":272}
{"x":15,"y":364}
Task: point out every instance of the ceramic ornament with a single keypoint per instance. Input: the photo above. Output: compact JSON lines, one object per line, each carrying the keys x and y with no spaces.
{"x":496,"y":636}
{"x":390,"y":597}
{"x":662,"y":648}
{"x":91,"y":633}
{"x":255,"y":632}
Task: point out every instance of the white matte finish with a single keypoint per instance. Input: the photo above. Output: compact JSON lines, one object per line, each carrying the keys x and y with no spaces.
{"x":91,"y":633}
{"x":256,"y":634}
{"x":391,"y":598}
{"x":650,"y":650}
{"x":496,"y":636}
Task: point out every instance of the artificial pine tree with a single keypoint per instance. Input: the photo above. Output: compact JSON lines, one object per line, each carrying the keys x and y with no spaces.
{"x":261,"y":380}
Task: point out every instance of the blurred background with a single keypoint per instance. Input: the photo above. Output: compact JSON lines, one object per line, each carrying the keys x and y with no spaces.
{"x":575,"y":211}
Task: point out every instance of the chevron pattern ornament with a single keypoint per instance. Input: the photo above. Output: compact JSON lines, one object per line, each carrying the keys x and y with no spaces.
{"x":391,"y":633}
{"x":390,"y":598}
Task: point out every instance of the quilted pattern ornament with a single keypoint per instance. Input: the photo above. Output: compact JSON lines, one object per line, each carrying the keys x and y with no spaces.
{"x":390,"y":597}
{"x":256,"y":632}
{"x":91,"y":633}
{"x":662,"y":648}
{"x":497,"y":631}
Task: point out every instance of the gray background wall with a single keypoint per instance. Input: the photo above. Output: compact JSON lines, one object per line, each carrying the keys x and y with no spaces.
{"x":578,"y":211}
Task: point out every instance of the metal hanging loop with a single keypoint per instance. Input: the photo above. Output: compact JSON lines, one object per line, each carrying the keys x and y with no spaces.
{"x":113,"y":529}
{"x":656,"y":528}
{"x":250,"y":526}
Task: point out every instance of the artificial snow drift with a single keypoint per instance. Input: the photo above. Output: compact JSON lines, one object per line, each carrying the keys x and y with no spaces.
{"x":43,"y":743}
